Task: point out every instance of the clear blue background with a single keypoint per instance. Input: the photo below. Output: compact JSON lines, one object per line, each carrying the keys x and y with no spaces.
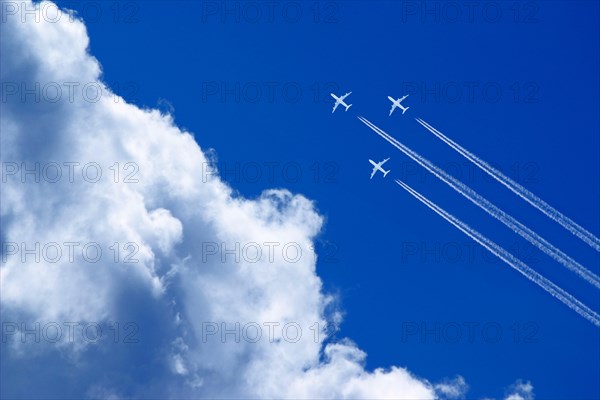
{"x":542,"y":131}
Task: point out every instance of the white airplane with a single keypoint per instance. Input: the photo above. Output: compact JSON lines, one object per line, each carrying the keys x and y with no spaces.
{"x":377,"y":167}
{"x":396,"y":103}
{"x":340,"y":100}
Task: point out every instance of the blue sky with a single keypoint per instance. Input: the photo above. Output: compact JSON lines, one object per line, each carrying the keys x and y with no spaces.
{"x":520,"y":88}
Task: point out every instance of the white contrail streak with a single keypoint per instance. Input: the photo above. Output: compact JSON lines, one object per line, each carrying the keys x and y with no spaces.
{"x":511,"y":260}
{"x":491,"y":209}
{"x":519,"y":190}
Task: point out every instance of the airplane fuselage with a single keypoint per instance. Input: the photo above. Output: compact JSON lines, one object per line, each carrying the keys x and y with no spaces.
{"x":396,"y":103}
{"x":378,"y":167}
{"x":340,"y":100}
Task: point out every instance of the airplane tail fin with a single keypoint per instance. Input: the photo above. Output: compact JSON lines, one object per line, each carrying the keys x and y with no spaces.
{"x":348,"y":107}
{"x":405,"y":110}
{"x":386,"y":172}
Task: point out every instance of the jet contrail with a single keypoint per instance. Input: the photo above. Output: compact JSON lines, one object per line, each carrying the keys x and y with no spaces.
{"x":519,"y":190}
{"x":491,"y":209}
{"x":511,"y":260}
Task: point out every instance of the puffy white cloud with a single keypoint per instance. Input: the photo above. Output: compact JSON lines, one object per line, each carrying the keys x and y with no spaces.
{"x":520,"y":391}
{"x":162,"y":210}
{"x":452,"y":389}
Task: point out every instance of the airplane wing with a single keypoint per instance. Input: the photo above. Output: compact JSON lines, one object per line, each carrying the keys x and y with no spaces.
{"x":344,"y":96}
{"x":383,"y":162}
{"x":403,"y":98}
{"x":393,"y":108}
{"x":373,"y":173}
{"x":337,"y":103}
